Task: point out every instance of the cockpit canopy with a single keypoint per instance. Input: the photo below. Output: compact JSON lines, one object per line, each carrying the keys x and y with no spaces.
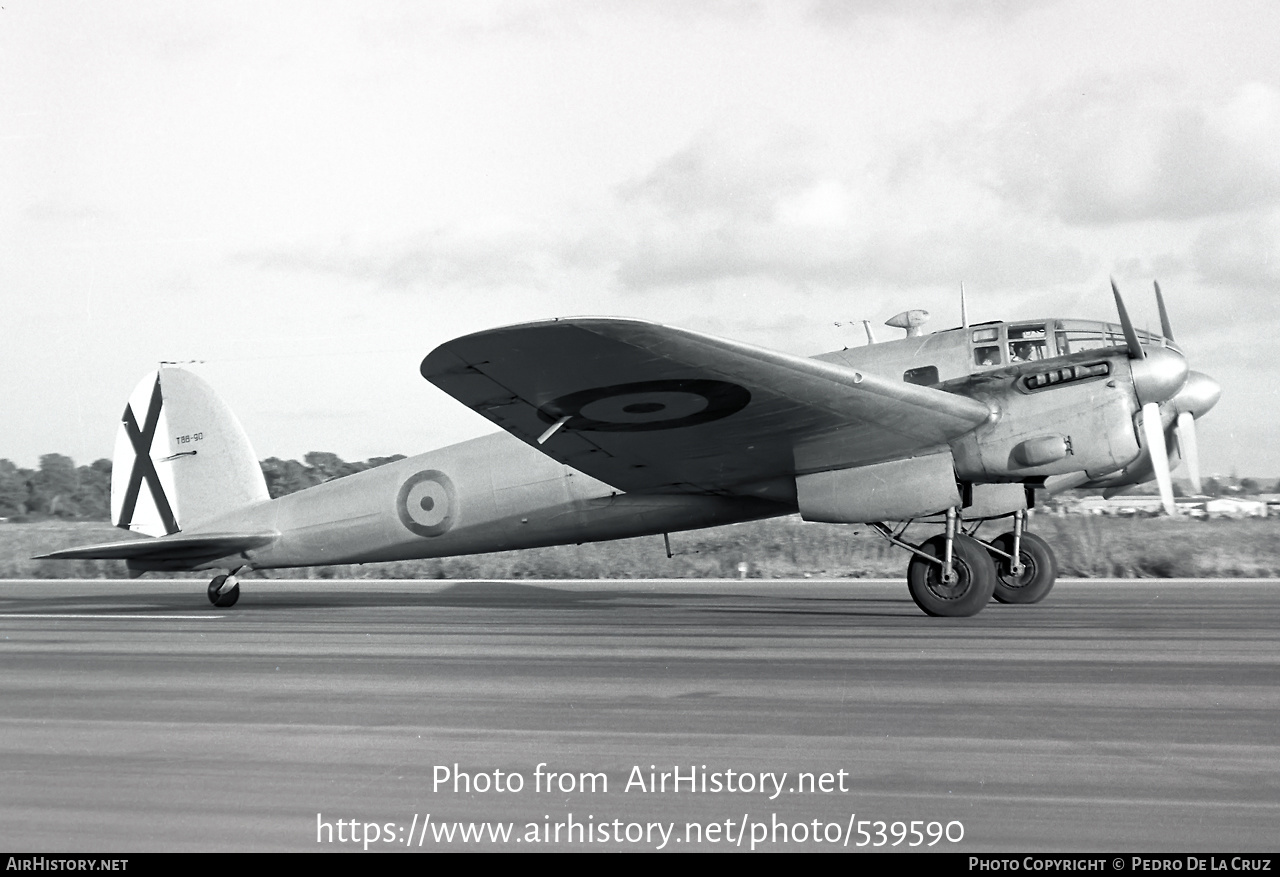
{"x":998,"y":344}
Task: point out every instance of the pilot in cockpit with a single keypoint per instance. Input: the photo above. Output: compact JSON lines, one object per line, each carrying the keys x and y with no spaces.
{"x":1023,"y":351}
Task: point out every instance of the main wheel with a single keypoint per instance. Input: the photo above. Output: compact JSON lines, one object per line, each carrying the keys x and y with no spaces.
{"x":969,"y":590}
{"x":223,"y":599}
{"x":1039,"y":570}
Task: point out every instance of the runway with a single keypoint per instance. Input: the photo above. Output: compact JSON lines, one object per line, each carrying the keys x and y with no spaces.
{"x":1117,"y":716}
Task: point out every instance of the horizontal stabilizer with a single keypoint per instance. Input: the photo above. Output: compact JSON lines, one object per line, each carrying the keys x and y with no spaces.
{"x":190,"y":549}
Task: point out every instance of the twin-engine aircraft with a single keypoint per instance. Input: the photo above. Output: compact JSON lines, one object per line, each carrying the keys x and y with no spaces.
{"x":616,"y":428}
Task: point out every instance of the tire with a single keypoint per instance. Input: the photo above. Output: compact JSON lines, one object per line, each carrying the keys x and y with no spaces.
{"x":1039,"y":572}
{"x":226,"y":599}
{"x":974,"y":583}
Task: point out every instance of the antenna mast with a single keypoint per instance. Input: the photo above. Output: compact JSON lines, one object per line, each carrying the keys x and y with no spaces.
{"x":964,"y":314}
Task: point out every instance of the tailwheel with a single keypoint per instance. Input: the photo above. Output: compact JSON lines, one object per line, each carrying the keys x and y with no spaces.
{"x":974,"y":578}
{"x":223,"y":595}
{"x":1039,"y":570}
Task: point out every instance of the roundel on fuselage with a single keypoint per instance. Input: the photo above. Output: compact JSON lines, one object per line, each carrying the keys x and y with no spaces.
{"x":647,"y":405}
{"x":427,"y":503}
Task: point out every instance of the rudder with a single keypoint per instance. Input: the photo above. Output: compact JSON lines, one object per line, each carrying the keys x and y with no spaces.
{"x":181,"y":457}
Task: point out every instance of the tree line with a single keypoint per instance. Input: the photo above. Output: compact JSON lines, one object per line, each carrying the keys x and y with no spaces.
{"x":59,"y":488}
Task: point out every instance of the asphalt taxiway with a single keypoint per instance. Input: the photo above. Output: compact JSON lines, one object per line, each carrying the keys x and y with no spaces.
{"x":1115,"y":716}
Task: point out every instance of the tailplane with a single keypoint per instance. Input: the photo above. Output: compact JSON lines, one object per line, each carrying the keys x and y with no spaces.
{"x":181,"y":457}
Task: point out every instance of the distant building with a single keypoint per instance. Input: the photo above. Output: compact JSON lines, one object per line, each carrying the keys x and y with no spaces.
{"x":1272,"y":500}
{"x":1233,"y":507}
{"x":1124,"y":506}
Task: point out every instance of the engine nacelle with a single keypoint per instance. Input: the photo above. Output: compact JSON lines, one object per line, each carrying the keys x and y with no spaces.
{"x":1072,"y":419}
{"x":995,"y":500}
{"x":894,"y":491}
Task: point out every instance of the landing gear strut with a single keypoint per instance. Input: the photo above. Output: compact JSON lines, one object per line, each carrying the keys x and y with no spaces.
{"x":1026,"y":567}
{"x":950,"y":575}
{"x":224,"y":591}
{"x":955,"y":575}
{"x":971,"y":584}
{"x":1038,"y":570}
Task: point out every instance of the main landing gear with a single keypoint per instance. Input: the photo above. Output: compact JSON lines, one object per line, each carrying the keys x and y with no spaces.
{"x":224,"y":591}
{"x":1039,"y":569}
{"x":955,"y":574}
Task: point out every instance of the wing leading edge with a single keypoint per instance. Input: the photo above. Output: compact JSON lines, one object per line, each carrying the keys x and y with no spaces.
{"x":650,"y":408}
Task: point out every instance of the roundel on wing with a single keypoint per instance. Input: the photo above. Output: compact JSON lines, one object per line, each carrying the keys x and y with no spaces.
{"x":647,"y":405}
{"x":427,"y":503}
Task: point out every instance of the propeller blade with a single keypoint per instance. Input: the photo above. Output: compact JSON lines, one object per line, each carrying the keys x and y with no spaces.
{"x":1165,"y":328}
{"x":1186,"y":431}
{"x":1130,"y":336}
{"x":1153,"y":431}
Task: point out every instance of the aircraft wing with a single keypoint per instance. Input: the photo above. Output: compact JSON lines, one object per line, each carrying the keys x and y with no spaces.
{"x":650,"y":408}
{"x":167,"y":548}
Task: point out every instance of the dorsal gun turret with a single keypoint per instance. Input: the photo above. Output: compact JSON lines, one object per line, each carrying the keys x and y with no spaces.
{"x":910,"y":320}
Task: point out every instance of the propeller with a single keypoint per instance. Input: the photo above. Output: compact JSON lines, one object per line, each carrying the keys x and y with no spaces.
{"x":1161,"y":377}
{"x":1186,"y":432}
{"x":1164,"y":385}
{"x":1153,"y":431}
{"x":1165,"y":329}
{"x":1197,"y":396}
{"x":1185,"y":425}
{"x":1159,"y":374}
{"x":1136,"y":350}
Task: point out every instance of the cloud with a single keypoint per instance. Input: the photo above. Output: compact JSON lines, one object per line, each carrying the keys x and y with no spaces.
{"x":54,"y":211}
{"x":493,"y":254}
{"x":1242,"y":252}
{"x":1101,"y":153}
{"x":719,"y":210}
{"x":843,"y":12}
{"x":538,"y":19}
{"x":714,"y":176}
{"x":999,"y":257}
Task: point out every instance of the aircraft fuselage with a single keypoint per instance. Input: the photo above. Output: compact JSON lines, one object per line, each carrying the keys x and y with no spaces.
{"x":493,"y":493}
{"x":498,"y":493}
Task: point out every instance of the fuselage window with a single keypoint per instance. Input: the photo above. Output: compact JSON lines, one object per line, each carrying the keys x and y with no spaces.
{"x":1079,"y":340}
{"x":1026,"y":343}
{"x":926,"y":375}
{"x":986,"y":356}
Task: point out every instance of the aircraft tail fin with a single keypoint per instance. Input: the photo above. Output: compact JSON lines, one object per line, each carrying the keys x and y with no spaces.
{"x":181,"y":457}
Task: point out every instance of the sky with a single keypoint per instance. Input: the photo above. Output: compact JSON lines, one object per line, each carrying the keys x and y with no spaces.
{"x":304,"y":199}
